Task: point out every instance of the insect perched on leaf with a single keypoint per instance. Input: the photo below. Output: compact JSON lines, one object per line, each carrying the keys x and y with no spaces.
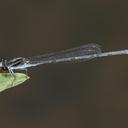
{"x":78,"y":54}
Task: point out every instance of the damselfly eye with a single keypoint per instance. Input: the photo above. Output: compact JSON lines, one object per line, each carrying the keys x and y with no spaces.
{"x":4,"y":68}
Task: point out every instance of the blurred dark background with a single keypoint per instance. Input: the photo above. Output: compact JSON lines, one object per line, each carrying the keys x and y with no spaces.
{"x":89,"y":94}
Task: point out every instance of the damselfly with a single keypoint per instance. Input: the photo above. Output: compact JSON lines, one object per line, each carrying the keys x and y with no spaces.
{"x":78,"y":54}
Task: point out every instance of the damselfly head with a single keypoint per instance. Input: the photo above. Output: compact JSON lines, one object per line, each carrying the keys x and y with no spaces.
{"x":3,"y":65}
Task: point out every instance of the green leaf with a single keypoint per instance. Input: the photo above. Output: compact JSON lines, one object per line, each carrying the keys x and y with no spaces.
{"x":8,"y":81}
